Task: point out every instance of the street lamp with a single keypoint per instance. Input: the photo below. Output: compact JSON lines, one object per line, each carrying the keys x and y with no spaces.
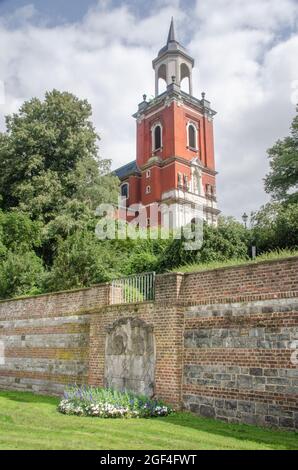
{"x":245,"y":219}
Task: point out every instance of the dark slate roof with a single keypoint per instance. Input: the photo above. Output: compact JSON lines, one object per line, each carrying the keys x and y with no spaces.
{"x":173,"y":46}
{"x":126,"y":170}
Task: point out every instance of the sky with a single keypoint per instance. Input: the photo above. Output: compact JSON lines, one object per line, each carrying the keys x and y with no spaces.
{"x":245,"y":60}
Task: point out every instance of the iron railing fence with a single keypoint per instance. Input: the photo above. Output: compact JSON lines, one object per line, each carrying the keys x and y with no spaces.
{"x":133,"y":289}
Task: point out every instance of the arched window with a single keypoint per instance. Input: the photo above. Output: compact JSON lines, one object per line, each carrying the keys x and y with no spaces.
{"x":192,"y":136}
{"x":124,"y":190}
{"x":157,"y":137}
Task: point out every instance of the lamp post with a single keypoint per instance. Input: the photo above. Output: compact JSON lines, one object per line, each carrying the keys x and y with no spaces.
{"x":245,"y":219}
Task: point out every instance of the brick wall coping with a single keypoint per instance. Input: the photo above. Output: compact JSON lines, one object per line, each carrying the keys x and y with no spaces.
{"x":60,"y":292}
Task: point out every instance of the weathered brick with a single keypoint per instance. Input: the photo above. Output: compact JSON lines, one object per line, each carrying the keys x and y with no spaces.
{"x":222,"y":341}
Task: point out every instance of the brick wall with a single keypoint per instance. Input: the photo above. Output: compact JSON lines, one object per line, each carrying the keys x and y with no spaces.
{"x":247,"y":282}
{"x":167,"y":322}
{"x":57,"y":303}
{"x":223,"y":340}
{"x":46,"y":339}
{"x":237,"y":362}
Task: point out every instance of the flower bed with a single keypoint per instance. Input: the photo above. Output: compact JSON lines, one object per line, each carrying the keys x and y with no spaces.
{"x":106,"y":403}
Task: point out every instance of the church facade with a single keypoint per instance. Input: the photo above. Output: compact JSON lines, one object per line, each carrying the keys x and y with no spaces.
{"x":175,"y":164}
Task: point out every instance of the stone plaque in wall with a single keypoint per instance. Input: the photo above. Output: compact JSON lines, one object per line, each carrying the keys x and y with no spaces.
{"x":130,"y":356}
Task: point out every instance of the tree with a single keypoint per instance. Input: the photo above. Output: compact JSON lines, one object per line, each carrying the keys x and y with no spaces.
{"x":20,"y":274}
{"x":18,"y":232}
{"x":21,"y":270}
{"x":3,"y":249}
{"x":81,"y":261}
{"x":275,"y":226}
{"x":49,"y":155}
{"x":50,"y":168}
{"x":282,"y":181}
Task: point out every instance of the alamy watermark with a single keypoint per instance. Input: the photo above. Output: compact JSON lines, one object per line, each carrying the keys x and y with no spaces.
{"x":164,"y":221}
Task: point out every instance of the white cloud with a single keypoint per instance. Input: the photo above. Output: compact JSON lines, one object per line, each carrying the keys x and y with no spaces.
{"x":246,"y":62}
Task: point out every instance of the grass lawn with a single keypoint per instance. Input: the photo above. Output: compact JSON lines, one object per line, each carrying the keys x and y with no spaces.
{"x":270,"y":256}
{"x":30,"y":421}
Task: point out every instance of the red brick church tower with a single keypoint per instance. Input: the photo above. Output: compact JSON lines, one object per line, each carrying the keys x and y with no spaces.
{"x":175,"y":149}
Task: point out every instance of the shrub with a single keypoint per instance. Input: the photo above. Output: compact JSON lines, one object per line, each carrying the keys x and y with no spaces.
{"x":108,"y":403}
{"x":227,"y":241}
{"x":21,"y":274}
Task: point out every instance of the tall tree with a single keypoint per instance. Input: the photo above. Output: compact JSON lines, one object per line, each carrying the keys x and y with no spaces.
{"x":51,"y":169}
{"x":49,"y":155}
{"x":282,"y":181}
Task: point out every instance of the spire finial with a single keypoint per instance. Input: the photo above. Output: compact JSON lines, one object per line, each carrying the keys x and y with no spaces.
{"x":171,"y":36}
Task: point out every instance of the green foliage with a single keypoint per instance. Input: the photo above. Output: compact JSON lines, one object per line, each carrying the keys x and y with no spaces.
{"x":51,"y":169}
{"x":20,"y":274}
{"x":227,"y":241}
{"x":282,"y":181}
{"x":21,"y":270}
{"x":108,"y":403}
{"x":52,"y":180}
{"x":142,"y":254}
{"x":141,"y":262}
{"x":3,"y":249}
{"x":49,"y":155}
{"x":18,"y":232}
{"x":275,"y":226}
{"x":81,"y":260}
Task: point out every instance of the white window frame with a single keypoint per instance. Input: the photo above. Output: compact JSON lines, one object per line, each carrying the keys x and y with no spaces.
{"x":156,"y":124}
{"x":121,"y":186}
{"x":148,"y":173}
{"x":148,"y":189}
{"x":195,"y":126}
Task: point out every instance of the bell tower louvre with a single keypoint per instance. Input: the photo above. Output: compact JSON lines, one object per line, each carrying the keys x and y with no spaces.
{"x":175,"y":163}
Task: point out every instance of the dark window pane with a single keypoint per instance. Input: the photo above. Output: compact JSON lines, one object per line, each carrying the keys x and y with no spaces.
{"x":157,"y":137}
{"x":124,"y":190}
{"x":192,"y":137}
